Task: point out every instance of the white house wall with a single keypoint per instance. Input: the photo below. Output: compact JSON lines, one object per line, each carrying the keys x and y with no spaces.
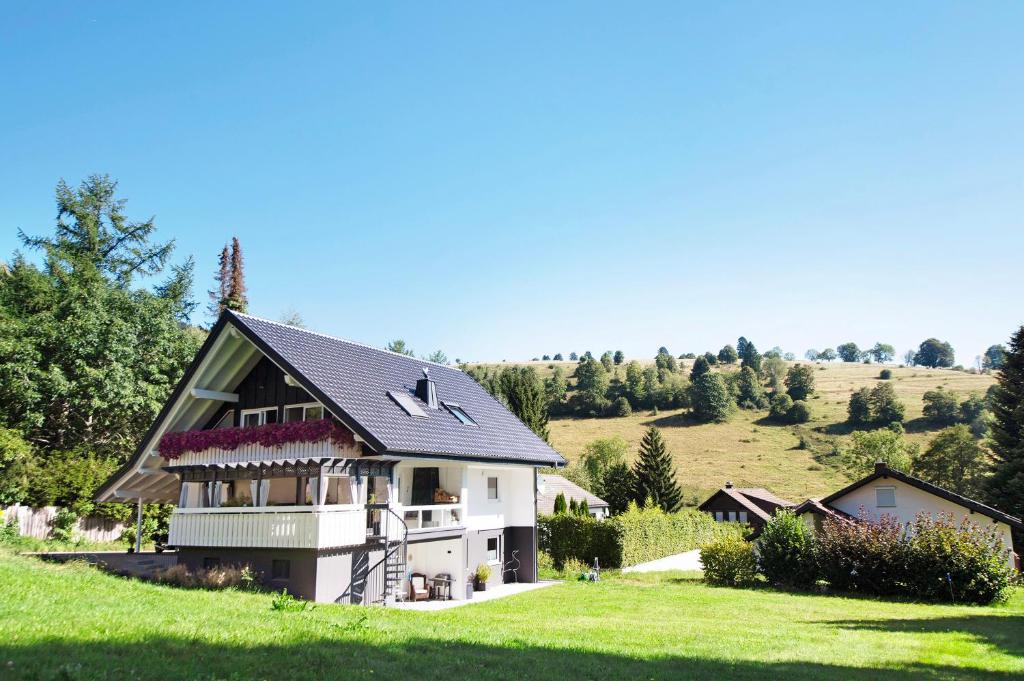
{"x":909,"y":502}
{"x":515,"y":504}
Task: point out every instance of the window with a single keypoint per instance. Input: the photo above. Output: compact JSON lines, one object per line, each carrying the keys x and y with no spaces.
{"x":743,"y":516}
{"x":885,"y":497}
{"x":732,"y":516}
{"x":226,"y":421}
{"x":259,"y":417}
{"x":460,"y":413}
{"x":493,"y":546}
{"x":405,"y":401}
{"x":719,"y":516}
{"x":303,"y":412}
{"x":280,"y":569}
{"x":492,"y":489}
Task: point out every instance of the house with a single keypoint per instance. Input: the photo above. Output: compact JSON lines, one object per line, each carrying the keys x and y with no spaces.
{"x":337,"y":470}
{"x":750,"y":505}
{"x":887,"y":491}
{"x":553,"y":485}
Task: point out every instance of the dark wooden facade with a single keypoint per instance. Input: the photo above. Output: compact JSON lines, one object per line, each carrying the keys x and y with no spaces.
{"x":262,"y":387}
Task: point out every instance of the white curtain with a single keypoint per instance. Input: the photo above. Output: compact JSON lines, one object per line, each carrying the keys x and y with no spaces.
{"x":254,"y":486}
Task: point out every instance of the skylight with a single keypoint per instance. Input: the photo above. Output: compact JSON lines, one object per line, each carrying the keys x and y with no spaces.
{"x":460,"y":414}
{"x":406,"y":402}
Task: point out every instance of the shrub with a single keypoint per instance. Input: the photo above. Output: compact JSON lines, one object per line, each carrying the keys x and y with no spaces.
{"x":866,"y":556}
{"x":285,"y":602}
{"x":621,"y":407}
{"x":9,"y":532}
{"x":885,"y":374}
{"x":560,"y":505}
{"x":965,"y":563}
{"x":636,"y":536}
{"x":781,"y":404}
{"x":941,"y":407}
{"x":220,"y":577}
{"x":786,"y":551}
{"x":800,"y":412}
{"x":859,"y":408}
{"x":545,"y":564}
{"x":64,"y":524}
{"x":574,"y":568}
{"x":729,"y":561}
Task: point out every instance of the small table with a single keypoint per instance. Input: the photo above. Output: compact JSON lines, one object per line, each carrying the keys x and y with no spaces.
{"x":442,"y":587}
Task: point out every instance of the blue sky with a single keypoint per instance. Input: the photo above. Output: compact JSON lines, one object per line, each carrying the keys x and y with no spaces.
{"x":506,"y":180}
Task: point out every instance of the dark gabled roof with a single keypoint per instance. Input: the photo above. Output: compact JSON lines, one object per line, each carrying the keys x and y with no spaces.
{"x":743,"y":501}
{"x":553,"y":484}
{"x":883,"y":471}
{"x":353,"y":381}
{"x":815,"y":506}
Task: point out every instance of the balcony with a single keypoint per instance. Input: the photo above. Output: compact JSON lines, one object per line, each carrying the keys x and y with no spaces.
{"x":431,"y":517}
{"x":276,"y":527}
{"x":258,"y":452}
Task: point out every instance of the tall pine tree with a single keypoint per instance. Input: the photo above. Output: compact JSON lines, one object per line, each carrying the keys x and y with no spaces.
{"x":655,"y":476}
{"x":219,"y":297}
{"x":1006,"y":485}
{"x":237,"y":298}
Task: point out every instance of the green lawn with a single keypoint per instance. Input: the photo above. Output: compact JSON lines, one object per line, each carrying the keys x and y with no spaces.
{"x":71,"y":622}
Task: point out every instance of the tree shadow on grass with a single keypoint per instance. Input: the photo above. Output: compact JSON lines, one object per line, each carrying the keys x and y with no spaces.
{"x":675,"y":421}
{"x":1005,"y":632}
{"x":375,"y":654}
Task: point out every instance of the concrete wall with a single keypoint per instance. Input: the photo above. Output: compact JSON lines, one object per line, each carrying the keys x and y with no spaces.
{"x":301,"y":583}
{"x":909,"y":502}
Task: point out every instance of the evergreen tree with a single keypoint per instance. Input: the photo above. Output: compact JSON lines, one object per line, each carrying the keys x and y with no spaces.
{"x":572,"y":507}
{"x":1006,"y":485}
{"x":701,"y":366}
{"x":750,"y":392}
{"x":710,"y":398}
{"x":617,"y":485}
{"x":219,"y":297}
{"x":655,"y":474}
{"x":524,"y":395}
{"x":237,"y":299}
{"x":560,"y":505}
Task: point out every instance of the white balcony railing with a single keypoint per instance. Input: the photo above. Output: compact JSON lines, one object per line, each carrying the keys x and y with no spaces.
{"x":284,"y":527}
{"x":431,"y":517}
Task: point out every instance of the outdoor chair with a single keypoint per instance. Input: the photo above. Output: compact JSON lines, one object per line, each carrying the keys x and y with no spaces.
{"x":418,"y":589}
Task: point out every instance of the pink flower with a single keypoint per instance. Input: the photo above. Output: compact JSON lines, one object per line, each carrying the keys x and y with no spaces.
{"x":173,"y":445}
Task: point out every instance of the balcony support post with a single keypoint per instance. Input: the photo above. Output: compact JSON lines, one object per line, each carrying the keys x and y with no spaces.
{"x":138,"y":527}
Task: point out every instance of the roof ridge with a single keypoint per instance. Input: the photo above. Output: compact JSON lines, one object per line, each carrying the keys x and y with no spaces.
{"x":343,"y":340}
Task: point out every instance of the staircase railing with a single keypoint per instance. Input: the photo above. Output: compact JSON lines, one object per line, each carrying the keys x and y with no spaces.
{"x":385,"y":578}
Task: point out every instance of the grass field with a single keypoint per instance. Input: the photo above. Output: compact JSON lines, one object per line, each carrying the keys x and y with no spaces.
{"x":72,"y":622}
{"x":752,"y":452}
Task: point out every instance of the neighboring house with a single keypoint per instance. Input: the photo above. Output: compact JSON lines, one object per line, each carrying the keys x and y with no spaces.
{"x":336,"y":470}
{"x":553,"y":485}
{"x":750,"y":505}
{"x":887,"y":491}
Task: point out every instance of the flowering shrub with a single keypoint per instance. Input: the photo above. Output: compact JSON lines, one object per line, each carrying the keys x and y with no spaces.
{"x":867,"y":556}
{"x":173,"y":445}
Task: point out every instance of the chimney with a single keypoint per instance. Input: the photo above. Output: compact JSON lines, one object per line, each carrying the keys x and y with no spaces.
{"x":881,"y":468}
{"x":728,"y":484}
{"x":426,"y":389}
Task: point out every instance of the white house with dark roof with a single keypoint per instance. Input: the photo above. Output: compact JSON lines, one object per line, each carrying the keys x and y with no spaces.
{"x":887,"y":491}
{"x":337,"y":470}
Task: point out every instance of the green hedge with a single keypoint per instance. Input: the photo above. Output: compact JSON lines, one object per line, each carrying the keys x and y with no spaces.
{"x":636,"y":536}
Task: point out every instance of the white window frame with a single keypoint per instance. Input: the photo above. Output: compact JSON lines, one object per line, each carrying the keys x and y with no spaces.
{"x":305,"y":406}
{"x":497,"y":489}
{"x":262,"y":411}
{"x":886,"y":487}
{"x":497,"y":550}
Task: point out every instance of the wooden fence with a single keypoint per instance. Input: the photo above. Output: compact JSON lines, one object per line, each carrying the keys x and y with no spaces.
{"x":38,"y":523}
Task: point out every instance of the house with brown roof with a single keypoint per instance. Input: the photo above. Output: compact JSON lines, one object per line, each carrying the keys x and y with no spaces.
{"x":887,"y":491}
{"x":750,"y":505}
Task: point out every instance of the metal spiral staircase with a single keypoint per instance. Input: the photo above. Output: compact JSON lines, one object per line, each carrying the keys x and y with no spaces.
{"x":386,"y":577}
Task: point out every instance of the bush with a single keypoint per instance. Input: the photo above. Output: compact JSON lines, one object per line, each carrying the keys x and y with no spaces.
{"x":64,"y":525}
{"x":781,"y":404}
{"x":621,"y":407}
{"x":866,"y":556}
{"x":729,"y":561}
{"x":545,"y":564}
{"x":964,"y":564}
{"x":885,"y":374}
{"x":786,"y":551}
{"x":636,"y":536}
{"x":800,"y":412}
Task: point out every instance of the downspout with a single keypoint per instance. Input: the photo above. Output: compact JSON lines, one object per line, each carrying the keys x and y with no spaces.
{"x":138,"y":527}
{"x":536,"y":548}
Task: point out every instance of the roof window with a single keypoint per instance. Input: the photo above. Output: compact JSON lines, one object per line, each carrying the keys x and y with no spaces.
{"x":405,"y":401}
{"x":459,"y":413}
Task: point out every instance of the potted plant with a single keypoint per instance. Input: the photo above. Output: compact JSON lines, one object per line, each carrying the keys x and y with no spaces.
{"x":483,"y":573}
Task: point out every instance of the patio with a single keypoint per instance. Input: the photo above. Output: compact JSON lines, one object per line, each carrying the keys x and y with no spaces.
{"x":492,"y":593}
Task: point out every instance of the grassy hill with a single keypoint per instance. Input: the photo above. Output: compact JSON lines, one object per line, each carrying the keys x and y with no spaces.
{"x":750,"y":451}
